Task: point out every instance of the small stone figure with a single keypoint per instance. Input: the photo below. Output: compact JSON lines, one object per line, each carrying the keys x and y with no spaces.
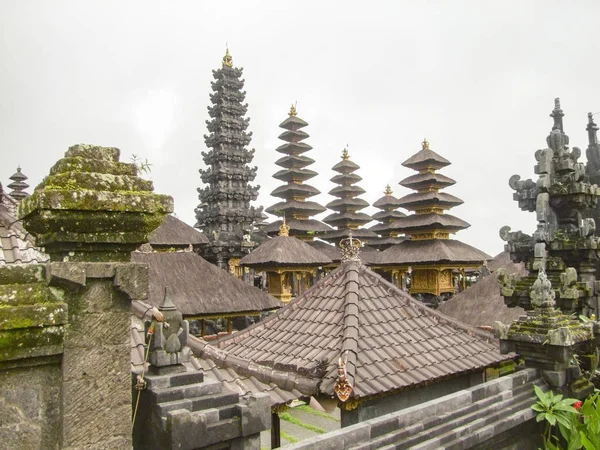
{"x":541,"y":294}
{"x":168,"y":347}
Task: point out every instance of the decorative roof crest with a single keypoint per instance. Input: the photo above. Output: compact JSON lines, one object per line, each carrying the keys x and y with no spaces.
{"x":345,"y":155}
{"x":388,"y":190}
{"x":350,"y":248}
{"x":293,"y":112}
{"x":284,"y":229}
{"x":425,"y":144}
{"x":342,"y":388}
{"x":227,"y":60}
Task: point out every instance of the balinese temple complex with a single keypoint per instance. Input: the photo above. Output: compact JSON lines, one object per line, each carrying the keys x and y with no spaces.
{"x":347,"y":217}
{"x":429,"y":261}
{"x":291,"y":265}
{"x":294,"y":208}
{"x":224,"y":214}
{"x":388,"y":204}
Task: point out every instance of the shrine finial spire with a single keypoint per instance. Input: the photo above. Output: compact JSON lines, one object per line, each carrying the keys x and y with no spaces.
{"x":293,"y":111}
{"x":425,"y":144}
{"x":227,"y":60}
{"x":592,"y":130}
{"x":557,"y":114}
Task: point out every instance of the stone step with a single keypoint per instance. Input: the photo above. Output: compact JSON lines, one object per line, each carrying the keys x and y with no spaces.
{"x":515,"y":406}
{"x":199,"y":403}
{"x":173,"y":380}
{"x":169,"y":394}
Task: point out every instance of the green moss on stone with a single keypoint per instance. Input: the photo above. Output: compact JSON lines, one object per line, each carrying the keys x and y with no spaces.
{"x":32,"y":316}
{"x":30,"y":273}
{"x":91,"y":151}
{"x":92,"y":165}
{"x":28,"y":342}
{"x":24,"y":294}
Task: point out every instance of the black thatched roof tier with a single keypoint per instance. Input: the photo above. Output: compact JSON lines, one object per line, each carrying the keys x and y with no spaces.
{"x":293,"y":123}
{"x":347,"y":190}
{"x":293,"y":148}
{"x":431,"y":251}
{"x":299,"y":226}
{"x":199,"y":288}
{"x":426,"y":159}
{"x":175,"y":233}
{"x":367,"y":255}
{"x":382,"y":243}
{"x":392,"y":342}
{"x":291,"y":175}
{"x":417,"y":200}
{"x":345,"y":166}
{"x":293,"y":135}
{"x":345,"y":204}
{"x":293,"y":207}
{"x":295,"y":190}
{"x":346,"y":178}
{"x":294,"y":161}
{"x":387,"y":202}
{"x":360,"y":233}
{"x":419,"y":222}
{"x":347,"y":219}
{"x":427,"y":179}
{"x":285,"y":251}
{"x":389,"y":216}
{"x":482,"y":304}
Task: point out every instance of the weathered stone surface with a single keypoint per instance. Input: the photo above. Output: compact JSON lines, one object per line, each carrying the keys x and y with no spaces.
{"x":91,"y":208}
{"x":132,"y":279}
{"x":82,"y":363}
{"x":30,"y":407}
{"x":255,"y":414}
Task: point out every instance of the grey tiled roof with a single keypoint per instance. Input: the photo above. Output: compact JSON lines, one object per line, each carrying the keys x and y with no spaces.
{"x":393,"y":342}
{"x":17,"y":246}
{"x":207,"y":360}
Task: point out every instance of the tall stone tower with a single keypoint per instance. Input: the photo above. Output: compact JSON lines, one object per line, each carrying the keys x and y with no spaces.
{"x":294,"y":207}
{"x":224,"y":213}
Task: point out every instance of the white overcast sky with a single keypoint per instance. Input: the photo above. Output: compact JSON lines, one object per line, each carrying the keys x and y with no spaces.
{"x":476,"y":78}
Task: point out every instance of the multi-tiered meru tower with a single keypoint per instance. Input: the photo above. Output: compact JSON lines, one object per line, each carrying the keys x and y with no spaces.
{"x":388,"y":204}
{"x":347,"y":218}
{"x":294,"y":207}
{"x":430,"y":260}
{"x":224,"y":214}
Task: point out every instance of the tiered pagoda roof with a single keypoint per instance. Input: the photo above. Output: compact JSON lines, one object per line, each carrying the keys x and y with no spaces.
{"x":347,"y":218}
{"x":429,"y":220}
{"x":388,"y":204}
{"x":18,"y":185}
{"x":225,"y":209}
{"x":294,"y":207}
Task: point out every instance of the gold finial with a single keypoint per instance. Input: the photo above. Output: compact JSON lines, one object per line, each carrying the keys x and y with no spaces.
{"x":227,"y":60}
{"x":293,"y":111}
{"x":388,"y":190}
{"x":425,"y":145}
{"x":284,"y":230}
{"x":345,"y":155}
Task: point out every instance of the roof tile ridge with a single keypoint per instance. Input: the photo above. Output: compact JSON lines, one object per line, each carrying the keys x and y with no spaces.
{"x":453,"y":323}
{"x":286,"y":380}
{"x":350,"y":327}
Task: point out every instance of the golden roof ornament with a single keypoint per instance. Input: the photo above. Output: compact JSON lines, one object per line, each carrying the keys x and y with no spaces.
{"x":345,"y":155}
{"x":388,"y":190}
{"x":342,"y":387}
{"x":293,"y":112}
{"x":425,"y":145}
{"x":284,"y":229}
{"x":227,"y":60}
{"x":350,"y":247}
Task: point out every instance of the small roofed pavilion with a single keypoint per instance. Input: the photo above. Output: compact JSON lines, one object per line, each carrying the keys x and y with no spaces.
{"x":388,"y":204}
{"x":429,"y":258}
{"x":290,"y":264}
{"x":347,"y":217}
{"x":356,"y":341}
{"x":294,"y":208}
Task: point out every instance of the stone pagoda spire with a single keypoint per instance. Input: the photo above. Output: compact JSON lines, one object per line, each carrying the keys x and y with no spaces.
{"x":593,"y":151}
{"x":429,"y":220}
{"x":18,"y":185}
{"x":294,"y":208}
{"x":347,"y":219}
{"x":388,"y":204}
{"x":560,"y":258}
{"x":224,"y":213}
